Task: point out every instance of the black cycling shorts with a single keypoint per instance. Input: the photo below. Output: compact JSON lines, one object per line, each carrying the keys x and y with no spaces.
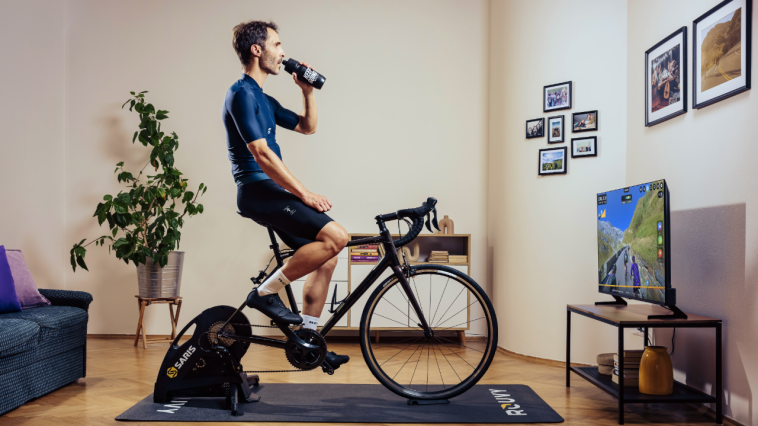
{"x":296,"y":223}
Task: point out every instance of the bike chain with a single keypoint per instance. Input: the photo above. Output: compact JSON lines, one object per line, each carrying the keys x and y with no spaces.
{"x":297,"y":370}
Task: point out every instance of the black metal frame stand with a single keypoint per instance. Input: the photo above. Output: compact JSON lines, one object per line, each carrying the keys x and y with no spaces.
{"x":625,"y":395}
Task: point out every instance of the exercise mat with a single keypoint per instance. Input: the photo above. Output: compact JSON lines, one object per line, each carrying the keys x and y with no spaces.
{"x":342,"y":403}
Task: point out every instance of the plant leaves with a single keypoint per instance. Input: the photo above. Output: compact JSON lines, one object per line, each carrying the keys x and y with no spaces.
{"x":120,"y":164}
{"x":107,"y":198}
{"x":80,"y":261}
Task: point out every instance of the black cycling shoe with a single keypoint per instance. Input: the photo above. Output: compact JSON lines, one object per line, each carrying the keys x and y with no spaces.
{"x":335,"y":360}
{"x":272,"y":306}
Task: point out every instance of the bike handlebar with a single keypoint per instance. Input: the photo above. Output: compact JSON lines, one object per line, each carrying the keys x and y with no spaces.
{"x":417,"y":216}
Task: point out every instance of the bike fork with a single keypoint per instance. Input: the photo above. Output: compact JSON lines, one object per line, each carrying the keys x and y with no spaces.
{"x":428,"y":332}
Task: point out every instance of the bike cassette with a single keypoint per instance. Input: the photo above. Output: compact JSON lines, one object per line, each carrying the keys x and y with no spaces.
{"x":214,"y":334}
{"x":303,"y":358}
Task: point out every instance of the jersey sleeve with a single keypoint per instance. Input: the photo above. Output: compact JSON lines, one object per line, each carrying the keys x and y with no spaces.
{"x":244,"y":112}
{"x":283,"y":117}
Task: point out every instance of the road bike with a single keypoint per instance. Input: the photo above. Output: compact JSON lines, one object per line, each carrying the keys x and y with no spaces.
{"x":423,"y":362}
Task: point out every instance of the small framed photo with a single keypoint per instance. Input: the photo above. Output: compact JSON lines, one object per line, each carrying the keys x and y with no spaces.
{"x":666,"y":78}
{"x":552,"y":161}
{"x":584,"y":121}
{"x":535,"y":128}
{"x":721,"y":52}
{"x":556,"y":97}
{"x":584,"y":147}
{"x":555,"y":129}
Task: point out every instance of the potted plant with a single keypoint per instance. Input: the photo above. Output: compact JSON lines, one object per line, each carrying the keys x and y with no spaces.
{"x":144,"y":218}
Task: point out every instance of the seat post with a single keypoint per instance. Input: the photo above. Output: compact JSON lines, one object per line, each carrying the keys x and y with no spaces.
{"x":275,"y":246}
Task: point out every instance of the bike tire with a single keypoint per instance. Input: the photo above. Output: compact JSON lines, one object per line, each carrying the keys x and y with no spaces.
{"x":489,"y":349}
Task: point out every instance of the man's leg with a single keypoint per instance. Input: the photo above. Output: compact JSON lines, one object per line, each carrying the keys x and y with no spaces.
{"x":329,"y":242}
{"x":316,"y":288}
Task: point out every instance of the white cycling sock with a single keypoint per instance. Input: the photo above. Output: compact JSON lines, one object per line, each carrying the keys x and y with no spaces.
{"x":310,"y":322}
{"x":273,"y":284}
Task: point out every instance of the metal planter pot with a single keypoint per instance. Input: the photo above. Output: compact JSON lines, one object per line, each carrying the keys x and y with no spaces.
{"x":157,"y":282}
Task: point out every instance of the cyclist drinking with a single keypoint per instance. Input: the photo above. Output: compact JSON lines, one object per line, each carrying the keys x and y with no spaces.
{"x":267,"y":191}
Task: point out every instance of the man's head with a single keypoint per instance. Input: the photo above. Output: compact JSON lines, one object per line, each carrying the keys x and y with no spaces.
{"x":257,"y":42}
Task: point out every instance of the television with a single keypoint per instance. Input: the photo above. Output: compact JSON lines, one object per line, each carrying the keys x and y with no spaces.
{"x":634,"y":243}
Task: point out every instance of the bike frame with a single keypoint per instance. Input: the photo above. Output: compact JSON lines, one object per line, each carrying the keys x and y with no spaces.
{"x":390,"y":260}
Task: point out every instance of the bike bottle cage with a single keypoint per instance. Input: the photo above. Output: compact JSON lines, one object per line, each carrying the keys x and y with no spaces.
{"x":334,"y":301}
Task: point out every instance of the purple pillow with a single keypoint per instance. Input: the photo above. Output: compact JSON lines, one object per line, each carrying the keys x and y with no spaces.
{"x":8,"y":299}
{"x":26,"y":288}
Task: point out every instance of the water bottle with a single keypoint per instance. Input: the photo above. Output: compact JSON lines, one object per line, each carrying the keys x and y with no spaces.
{"x":304,"y":74}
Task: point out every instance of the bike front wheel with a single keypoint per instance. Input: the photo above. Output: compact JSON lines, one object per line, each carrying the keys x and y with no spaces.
{"x":439,"y":366}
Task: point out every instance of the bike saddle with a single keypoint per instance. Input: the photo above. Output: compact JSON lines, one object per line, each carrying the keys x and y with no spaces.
{"x":263,"y":224}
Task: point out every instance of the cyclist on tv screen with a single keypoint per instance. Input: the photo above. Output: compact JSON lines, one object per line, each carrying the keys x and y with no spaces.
{"x":267,"y":191}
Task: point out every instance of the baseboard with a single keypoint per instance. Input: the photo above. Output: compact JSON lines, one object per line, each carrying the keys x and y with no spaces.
{"x":711,"y":414}
{"x":536,"y":360}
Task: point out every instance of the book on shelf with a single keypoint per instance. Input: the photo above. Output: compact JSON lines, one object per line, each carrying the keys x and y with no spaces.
{"x":458,"y":258}
{"x":630,"y":354}
{"x":366,"y":247}
{"x":354,"y":249}
{"x":445,"y":252}
{"x":364,"y":253}
{"x":364,"y":258}
{"x":627,"y":365}
{"x":627,"y":381}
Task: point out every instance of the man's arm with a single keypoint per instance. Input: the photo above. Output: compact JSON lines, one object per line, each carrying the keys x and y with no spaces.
{"x":276,"y":170}
{"x":309,"y":114}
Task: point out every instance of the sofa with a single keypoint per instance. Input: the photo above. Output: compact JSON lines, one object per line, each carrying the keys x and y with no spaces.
{"x":43,"y":348}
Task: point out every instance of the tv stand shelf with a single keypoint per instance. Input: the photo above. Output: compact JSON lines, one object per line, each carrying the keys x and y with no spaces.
{"x":635,"y":316}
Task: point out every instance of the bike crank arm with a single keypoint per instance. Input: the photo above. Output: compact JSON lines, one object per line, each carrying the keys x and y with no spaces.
{"x":428,"y":332}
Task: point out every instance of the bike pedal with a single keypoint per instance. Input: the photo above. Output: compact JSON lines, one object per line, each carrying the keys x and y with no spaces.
{"x":327,"y":368}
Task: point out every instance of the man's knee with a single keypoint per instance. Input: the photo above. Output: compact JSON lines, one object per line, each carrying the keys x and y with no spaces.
{"x":334,"y":235}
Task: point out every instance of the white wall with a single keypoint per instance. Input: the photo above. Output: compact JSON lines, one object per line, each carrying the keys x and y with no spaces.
{"x":542,"y":228}
{"x":398,"y":121}
{"x":707,"y":158}
{"x":31,"y":136}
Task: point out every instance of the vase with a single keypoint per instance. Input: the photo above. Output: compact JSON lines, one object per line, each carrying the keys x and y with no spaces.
{"x":446,"y":226}
{"x":656,"y":372}
{"x":157,"y":282}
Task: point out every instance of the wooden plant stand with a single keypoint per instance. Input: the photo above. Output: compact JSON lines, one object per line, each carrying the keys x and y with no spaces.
{"x":144,"y":302}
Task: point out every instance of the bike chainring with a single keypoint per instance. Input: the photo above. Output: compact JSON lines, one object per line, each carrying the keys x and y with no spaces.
{"x":302,"y":358}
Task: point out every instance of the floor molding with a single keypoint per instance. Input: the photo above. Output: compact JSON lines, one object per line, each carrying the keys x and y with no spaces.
{"x":537,"y":360}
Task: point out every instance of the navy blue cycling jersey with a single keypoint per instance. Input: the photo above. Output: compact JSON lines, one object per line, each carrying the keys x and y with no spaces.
{"x":249,"y":115}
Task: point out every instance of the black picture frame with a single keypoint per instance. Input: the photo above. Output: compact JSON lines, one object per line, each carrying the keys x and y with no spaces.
{"x":563,"y":129}
{"x":564,"y":162}
{"x":746,"y":48}
{"x":592,"y":153}
{"x":545,"y":108}
{"x":650,"y":121}
{"x":538,"y":133}
{"x":573,"y":121}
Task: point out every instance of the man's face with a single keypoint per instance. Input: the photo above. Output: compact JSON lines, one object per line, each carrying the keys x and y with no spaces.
{"x":272,"y":55}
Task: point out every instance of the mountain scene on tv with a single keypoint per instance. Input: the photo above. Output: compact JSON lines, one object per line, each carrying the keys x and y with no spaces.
{"x":631,"y":253}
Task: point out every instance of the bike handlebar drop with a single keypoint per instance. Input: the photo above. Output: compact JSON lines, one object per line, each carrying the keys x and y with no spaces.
{"x":417,"y":217}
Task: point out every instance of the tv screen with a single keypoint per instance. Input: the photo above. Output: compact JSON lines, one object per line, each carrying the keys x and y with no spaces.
{"x":633,"y":250}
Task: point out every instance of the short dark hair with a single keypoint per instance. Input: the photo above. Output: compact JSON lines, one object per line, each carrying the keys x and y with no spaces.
{"x":247,"y":34}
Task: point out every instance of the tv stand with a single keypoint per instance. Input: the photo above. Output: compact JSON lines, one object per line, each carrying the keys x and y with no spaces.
{"x":676,"y":314}
{"x":618,"y":301}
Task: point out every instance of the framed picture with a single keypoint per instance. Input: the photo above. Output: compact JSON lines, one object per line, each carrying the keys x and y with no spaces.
{"x":555,"y":129}
{"x":535,"y":128}
{"x":556,"y":97}
{"x":666,"y":78}
{"x":584,"y":147}
{"x":552,"y":161}
{"x":721,"y":52}
{"x":584,"y":121}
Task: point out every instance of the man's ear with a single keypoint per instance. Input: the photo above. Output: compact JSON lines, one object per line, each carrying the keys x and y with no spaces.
{"x":256,"y":50}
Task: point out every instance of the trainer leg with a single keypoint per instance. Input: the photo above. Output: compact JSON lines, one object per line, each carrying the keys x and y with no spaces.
{"x":316,"y":288}
{"x":329,"y":242}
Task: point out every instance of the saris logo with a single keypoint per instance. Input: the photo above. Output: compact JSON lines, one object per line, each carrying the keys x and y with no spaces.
{"x":507,"y":403}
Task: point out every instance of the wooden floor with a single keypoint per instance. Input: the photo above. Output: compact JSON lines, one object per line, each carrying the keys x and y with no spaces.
{"x":119,"y":375}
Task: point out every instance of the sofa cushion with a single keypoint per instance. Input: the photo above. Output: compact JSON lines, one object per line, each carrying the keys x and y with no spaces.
{"x":61,"y":328}
{"x":26,"y":288}
{"x":8,"y":299}
{"x":17,"y":335}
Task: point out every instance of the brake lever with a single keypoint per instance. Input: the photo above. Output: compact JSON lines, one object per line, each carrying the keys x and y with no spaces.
{"x":434,"y":220}
{"x":427,"y":223}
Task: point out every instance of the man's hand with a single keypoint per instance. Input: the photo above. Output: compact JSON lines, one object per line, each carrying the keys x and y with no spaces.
{"x":304,"y":86}
{"x":318,"y":202}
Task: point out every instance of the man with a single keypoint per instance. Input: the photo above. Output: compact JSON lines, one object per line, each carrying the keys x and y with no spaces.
{"x":267,"y":191}
{"x":635,"y":276}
